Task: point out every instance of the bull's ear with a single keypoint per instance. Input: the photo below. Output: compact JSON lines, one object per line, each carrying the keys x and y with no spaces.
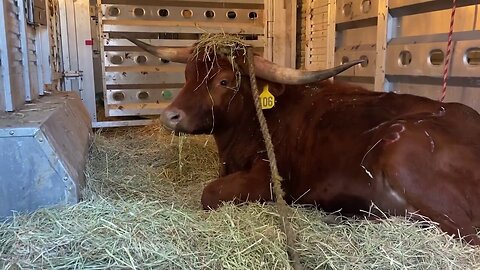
{"x":276,"y":89}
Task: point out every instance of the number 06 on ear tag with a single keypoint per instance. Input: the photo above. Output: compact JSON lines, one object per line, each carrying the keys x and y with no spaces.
{"x":267,"y":100}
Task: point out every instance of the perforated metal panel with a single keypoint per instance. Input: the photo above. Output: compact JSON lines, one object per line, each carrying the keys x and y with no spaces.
{"x":405,"y":54}
{"x":418,"y":51}
{"x":138,"y":83}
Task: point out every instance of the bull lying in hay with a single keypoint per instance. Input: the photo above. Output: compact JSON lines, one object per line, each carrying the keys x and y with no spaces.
{"x":142,"y":211}
{"x":339,"y":147}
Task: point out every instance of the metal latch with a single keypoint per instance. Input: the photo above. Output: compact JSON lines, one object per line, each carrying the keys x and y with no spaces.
{"x":72,"y":74}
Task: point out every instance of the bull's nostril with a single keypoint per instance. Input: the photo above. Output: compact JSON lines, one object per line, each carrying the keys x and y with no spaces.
{"x":173,"y":117}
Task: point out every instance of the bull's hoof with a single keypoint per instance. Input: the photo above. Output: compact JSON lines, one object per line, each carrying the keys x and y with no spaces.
{"x":210,"y":199}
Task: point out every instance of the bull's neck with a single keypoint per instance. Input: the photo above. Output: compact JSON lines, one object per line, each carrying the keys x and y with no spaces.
{"x":245,"y":129}
{"x":240,"y":140}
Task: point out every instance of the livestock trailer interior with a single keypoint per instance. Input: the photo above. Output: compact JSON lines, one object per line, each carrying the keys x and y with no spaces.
{"x":68,"y":70}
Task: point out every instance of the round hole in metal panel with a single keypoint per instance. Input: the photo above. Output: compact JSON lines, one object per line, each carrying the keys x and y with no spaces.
{"x":165,"y":61}
{"x":210,"y":14}
{"x":163,"y":12}
{"x":143,"y":95}
{"x":167,"y":94}
{"x":365,"y":62}
{"x":252,"y":15}
{"x":366,"y":6}
{"x":347,"y":9}
{"x":436,"y":57}
{"x":472,"y":56}
{"x":116,"y":59}
{"x":345,"y":59}
{"x":113,"y":11}
{"x":404,"y":58}
{"x":138,"y":12}
{"x":118,"y":96}
{"x":141,"y":59}
{"x":187,"y":13}
{"x":231,"y":14}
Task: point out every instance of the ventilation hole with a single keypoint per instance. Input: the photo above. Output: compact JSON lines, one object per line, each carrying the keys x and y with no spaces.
{"x":209,"y":14}
{"x":345,"y":59}
{"x":139,"y":12}
{"x":436,"y":57}
{"x":143,"y":95}
{"x":165,"y":61}
{"x":231,"y":14}
{"x":347,"y":9}
{"x":118,"y":96}
{"x":113,"y":11}
{"x":365,"y":63}
{"x":252,"y":15}
{"x":473,"y":56}
{"x":141,"y":59}
{"x":187,"y":13}
{"x":163,"y":12}
{"x":116,"y":59}
{"x":167,"y":94}
{"x":366,"y":6}
{"x":405,"y":58}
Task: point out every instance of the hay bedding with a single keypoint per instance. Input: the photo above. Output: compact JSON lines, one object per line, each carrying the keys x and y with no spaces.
{"x":142,"y":211}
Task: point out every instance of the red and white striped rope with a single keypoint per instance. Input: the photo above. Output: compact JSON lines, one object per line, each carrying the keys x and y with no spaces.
{"x":449,"y":48}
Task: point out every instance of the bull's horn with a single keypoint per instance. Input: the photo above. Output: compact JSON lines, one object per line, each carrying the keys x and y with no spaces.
{"x":179,"y":55}
{"x":276,"y":73}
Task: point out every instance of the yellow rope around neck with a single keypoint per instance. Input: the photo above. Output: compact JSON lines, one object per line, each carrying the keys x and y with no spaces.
{"x":283,"y":209}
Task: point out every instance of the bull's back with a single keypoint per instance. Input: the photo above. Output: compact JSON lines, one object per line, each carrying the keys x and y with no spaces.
{"x":333,"y":131}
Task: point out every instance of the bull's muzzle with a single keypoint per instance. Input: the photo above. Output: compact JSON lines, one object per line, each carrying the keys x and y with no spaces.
{"x":171,"y":117}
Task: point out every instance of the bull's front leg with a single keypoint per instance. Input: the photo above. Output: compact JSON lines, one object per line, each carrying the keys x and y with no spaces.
{"x":241,"y":186}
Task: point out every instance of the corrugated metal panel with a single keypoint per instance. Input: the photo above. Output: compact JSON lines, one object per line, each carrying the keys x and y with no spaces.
{"x":21,"y":77}
{"x":12,"y":72}
{"x":32,"y":53}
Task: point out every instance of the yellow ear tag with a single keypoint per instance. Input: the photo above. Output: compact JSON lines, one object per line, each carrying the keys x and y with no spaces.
{"x":267,"y":100}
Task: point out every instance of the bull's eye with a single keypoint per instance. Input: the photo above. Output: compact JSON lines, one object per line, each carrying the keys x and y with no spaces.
{"x":224,"y":82}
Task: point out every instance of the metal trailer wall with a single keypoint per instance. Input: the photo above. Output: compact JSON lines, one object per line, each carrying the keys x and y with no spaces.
{"x":25,"y":60}
{"x":136,"y":83}
{"x":44,"y":135}
{"x":405,"y":43}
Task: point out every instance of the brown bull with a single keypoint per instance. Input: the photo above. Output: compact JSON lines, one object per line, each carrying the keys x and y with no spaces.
{"x":339,"y":147}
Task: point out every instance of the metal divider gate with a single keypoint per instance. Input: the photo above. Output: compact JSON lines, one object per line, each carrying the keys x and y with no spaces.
{"x":405,"y":43}
{"x":135,"y":83}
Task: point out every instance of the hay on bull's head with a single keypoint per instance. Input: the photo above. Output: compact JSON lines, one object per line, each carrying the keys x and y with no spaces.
{"x":225,"y":45}
{"x":215,"y":46}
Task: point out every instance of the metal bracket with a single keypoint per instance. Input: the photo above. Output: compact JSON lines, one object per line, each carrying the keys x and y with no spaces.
{"x":73,"y":74}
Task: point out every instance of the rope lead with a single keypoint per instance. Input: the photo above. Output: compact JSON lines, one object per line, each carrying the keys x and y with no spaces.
{"x":283,"y":210}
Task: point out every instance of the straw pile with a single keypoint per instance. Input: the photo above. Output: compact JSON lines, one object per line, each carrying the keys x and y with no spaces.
{"x":141,"y":211}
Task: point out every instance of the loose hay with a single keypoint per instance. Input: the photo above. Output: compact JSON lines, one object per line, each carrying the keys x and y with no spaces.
{"x":141,"y":212}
